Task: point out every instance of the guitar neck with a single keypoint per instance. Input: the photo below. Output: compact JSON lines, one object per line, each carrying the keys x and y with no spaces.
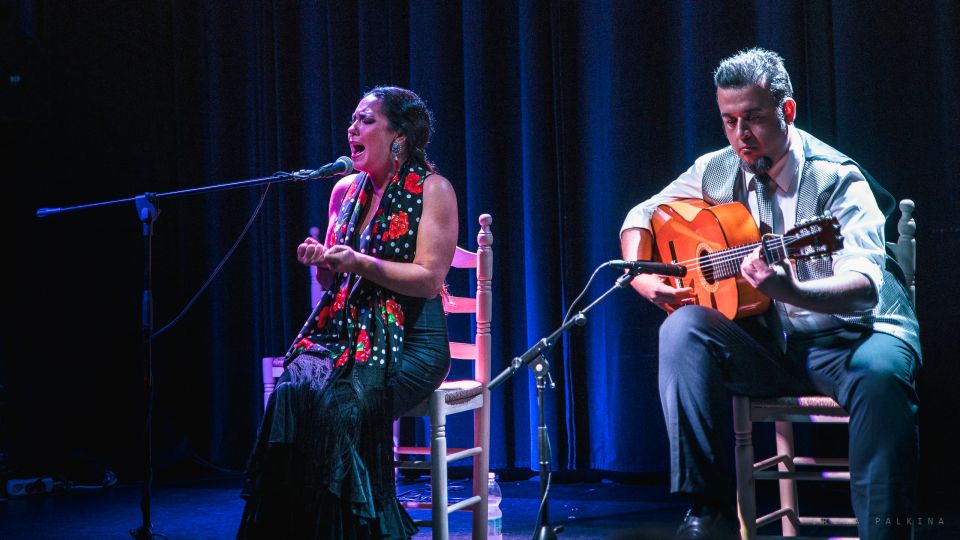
{"x":726,"y":262}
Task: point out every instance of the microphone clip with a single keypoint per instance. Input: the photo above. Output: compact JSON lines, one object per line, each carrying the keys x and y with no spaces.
{"x":343,"y":165}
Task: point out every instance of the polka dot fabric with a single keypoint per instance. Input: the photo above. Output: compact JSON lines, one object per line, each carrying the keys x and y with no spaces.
{"x":357,"y":321}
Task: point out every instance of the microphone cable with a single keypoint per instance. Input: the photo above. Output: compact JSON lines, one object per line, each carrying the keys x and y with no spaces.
{"x":223,"y":261}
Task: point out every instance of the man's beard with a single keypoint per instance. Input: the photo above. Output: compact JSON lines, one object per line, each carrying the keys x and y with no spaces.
{"x":761,"y":166}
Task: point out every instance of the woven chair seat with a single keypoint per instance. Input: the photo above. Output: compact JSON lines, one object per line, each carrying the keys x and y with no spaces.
{"x":455,"y":391}
{"x":817,"y":402}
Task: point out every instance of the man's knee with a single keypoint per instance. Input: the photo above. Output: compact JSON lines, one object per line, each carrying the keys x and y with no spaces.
{"x":686,"y":323}
{"x":882,"y":374}
{"x":876,"y":386}
{"x":881,"y":389}
{"x":688,"y":349}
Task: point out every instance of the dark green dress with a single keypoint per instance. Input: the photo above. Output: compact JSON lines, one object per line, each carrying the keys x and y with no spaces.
{"x":322,"y":464}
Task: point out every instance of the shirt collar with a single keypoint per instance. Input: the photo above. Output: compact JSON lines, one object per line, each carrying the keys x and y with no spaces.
{"x":786,"y":171}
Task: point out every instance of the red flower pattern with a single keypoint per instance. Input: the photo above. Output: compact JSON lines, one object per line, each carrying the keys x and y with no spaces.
{"x":305,"y":343}
{"x":323,"y":317}
{"x":363,"y":347}
{"x":344,"y":356}
{"x":340,"y":300}
{"x":399,"y":225}
{"x":413,"y":183}
{"x":394,"y":308}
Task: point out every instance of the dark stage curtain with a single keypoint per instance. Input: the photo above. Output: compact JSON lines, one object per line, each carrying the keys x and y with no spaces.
{"x":555,"y":117}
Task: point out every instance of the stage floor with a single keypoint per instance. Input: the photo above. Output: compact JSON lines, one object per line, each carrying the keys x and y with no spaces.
{"x":210,"y":509}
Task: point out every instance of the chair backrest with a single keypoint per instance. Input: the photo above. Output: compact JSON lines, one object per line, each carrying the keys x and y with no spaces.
{"x":481,"y":305}
{"x":905,"y":248}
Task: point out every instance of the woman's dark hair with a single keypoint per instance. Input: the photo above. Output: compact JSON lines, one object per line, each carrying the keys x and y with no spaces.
{"x":408,"y":116}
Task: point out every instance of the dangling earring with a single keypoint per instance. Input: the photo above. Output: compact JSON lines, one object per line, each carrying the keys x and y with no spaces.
{"x":395,"y":150}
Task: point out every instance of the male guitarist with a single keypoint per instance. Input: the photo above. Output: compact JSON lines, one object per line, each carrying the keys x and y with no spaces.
{"x":842,"y":327}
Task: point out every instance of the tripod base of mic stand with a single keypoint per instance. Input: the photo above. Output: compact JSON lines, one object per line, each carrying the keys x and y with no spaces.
{"x":548,"y":532}
{"x":145,"y":533}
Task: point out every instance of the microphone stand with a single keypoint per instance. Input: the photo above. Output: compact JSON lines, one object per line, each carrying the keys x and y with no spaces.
{"x":535,"y":358}
{"x":147,"y":206}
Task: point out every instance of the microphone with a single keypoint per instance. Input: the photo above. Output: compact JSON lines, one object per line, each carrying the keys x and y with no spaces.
{"x":343,"y":165}
{"x":650,"y":267}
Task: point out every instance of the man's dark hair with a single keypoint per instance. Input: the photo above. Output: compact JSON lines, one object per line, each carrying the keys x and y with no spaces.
{"x":756,"y":67}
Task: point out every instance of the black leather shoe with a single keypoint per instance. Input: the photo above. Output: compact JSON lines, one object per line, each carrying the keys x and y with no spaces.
{"x":718,"y":526}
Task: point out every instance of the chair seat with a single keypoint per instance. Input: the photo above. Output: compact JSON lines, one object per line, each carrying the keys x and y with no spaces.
{"x":454,"y":391}
{"x":822,"y":402}
{"x":814,"y":409}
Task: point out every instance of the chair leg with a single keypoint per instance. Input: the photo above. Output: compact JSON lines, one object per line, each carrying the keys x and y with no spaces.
{"x":746,"y":494}
{"x":396,"y":443}
{"x":481,"y":466}
{"x":788,"y":486}
{"x":438,"y":467}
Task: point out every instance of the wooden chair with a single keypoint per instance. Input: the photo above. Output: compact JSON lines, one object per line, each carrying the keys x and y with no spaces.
{"x":456,"y":396}
{"x":784,"y":411}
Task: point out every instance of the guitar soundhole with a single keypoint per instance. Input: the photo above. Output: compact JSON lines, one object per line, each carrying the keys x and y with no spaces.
{"x":706,"y":267}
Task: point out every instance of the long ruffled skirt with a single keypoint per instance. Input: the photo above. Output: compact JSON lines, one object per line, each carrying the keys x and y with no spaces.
{"x":322,"y":466}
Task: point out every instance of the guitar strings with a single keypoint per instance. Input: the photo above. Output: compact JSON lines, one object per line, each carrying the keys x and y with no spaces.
{"x":734,"y":254}
{"x":737,"y":253}
{"x":733,"y":257}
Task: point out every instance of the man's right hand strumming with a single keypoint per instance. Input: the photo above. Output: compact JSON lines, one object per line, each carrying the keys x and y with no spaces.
{"x":638,"y":244}
{"x":658,"y":290}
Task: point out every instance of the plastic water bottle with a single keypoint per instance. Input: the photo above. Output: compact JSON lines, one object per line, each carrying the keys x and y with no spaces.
{"x":494,"y":515}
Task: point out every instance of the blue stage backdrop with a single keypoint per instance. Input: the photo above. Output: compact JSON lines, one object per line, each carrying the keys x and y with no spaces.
{"x":555,"y":117}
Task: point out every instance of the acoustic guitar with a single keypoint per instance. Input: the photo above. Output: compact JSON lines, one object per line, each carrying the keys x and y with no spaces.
{"x":712,"y":241}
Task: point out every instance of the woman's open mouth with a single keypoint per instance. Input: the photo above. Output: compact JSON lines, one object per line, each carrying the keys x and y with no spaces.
{"x":356,"y":150}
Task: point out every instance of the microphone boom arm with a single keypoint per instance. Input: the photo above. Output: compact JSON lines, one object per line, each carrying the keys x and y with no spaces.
{"x":275,"y":178}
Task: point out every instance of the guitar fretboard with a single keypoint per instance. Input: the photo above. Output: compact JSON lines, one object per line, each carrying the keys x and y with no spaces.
{"x":726,"y":262}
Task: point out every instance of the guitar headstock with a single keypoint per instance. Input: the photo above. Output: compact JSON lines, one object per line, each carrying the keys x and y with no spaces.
{"x":814,"y":238}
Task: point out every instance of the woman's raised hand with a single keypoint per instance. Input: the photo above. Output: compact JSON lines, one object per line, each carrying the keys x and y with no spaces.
{"x":311,"y":252}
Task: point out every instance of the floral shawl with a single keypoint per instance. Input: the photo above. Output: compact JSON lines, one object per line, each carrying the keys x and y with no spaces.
{"x":357,"y":321}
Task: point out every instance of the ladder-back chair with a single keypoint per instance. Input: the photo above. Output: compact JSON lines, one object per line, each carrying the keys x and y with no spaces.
{"x":456,"y":396}
{"x":784,"y":411}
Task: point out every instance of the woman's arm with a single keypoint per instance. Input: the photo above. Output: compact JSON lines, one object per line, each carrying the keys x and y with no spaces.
{"x":311,"y":252}
{"x":436,"y":243}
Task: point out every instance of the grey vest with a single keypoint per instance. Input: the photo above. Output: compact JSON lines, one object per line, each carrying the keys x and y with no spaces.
{"x":894,"y":313}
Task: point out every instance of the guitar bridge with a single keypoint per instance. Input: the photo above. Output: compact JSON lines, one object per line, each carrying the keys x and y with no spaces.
{"x":677,"y":281}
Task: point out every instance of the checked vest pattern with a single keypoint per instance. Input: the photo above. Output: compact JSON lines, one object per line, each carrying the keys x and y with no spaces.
{"x":894,"y":313}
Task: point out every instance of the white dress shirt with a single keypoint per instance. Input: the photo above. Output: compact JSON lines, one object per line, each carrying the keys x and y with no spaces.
{"x":852,"y":203}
